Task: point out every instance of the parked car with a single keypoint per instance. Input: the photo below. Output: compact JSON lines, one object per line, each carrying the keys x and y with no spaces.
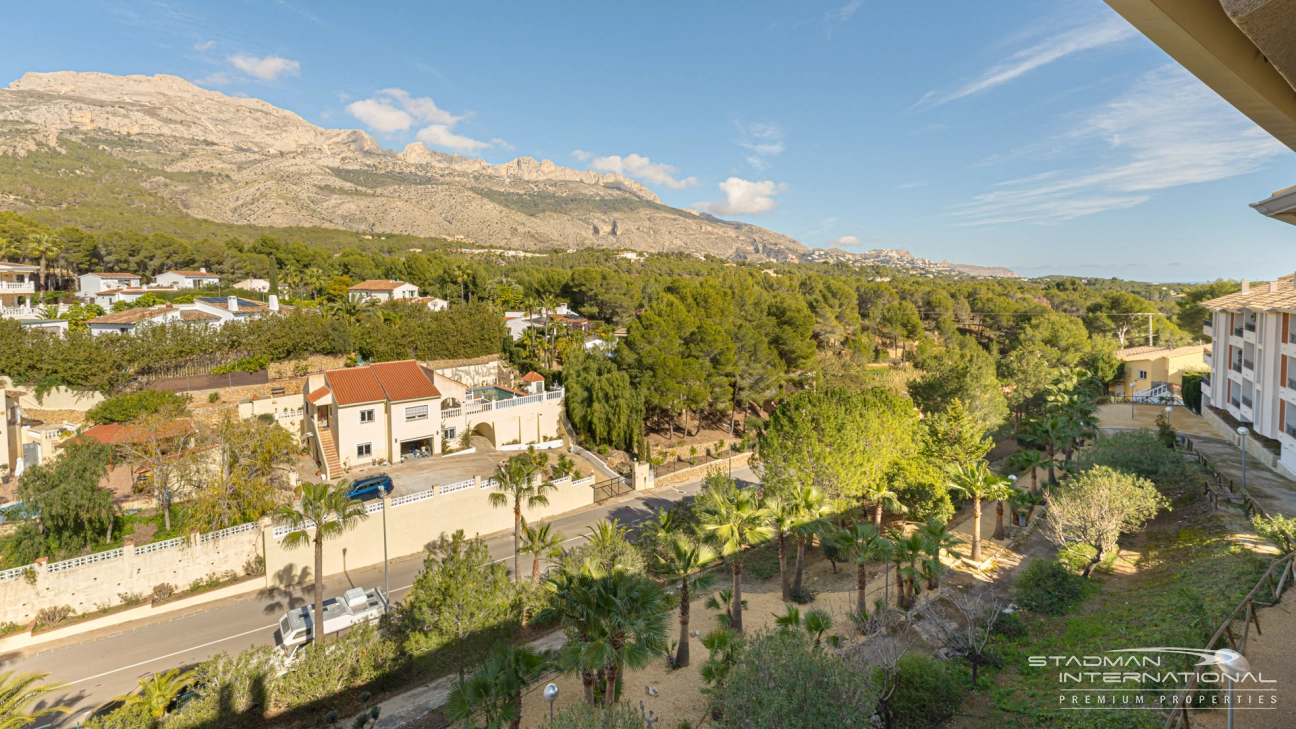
{"x":355,"y":606}
{"x":370,"y":487}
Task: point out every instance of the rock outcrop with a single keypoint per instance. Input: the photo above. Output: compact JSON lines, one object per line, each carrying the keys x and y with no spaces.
{"x":268,"y":166}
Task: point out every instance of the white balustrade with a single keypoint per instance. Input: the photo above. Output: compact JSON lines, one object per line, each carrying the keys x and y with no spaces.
{"x":84,"y":560}
{"x":412,"y":498}
{"x":450,"y":488}
{"x":228,"y":532}
{"x":159,"y":546}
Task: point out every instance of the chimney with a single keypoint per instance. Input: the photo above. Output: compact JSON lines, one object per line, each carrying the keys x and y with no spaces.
{"x":1273,"y":287}
{"x":202,"y":269}
{"x":1246,"y":287}
{"x":233,"y":304}
{"x":274,"y":302}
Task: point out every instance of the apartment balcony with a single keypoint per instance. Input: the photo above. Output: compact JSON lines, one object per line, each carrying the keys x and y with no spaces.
{"x":1206,"y":387}
{"x":1249,"y":335}
{"x":1246,"y":401}
{"x":1237,"y":332}
{"x":1208,"y":328}
{"x":1206,"y":357}
{"x":1290,"y":430}
{"x":1236,"y":367}
{"x":17,"y":287}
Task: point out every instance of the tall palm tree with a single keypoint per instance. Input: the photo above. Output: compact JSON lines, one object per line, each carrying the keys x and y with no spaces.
{"x":12,"y":250}
{"x":979,"y":483}
{"x":43,"y":246}
{"x":313,"y":278}
{"x":19,"y":691}
{"x":735,"y":523}
{"x":156,"y":692}
{"x":783,"y":517}
{"x":906,"y":553}
{"x":541,"y":542}
{"x":1029,"y":461}
{"x":1049,"y":432}
{"x":515,"y":482}
{"x":619,"y":620}
{"x":460,"y":273}
{"x":683,"y":564}
{"x":937,"y":538}
{"x":879,"y":492}
{"x":328,"y":511}
{"x":549,"y":309}
{"x":813,"y":507}
{"x":863,"y":543}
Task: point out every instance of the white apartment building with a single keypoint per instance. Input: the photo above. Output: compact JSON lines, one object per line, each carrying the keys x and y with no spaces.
{"x":17,"y":286}
{"x":1253,"y":375}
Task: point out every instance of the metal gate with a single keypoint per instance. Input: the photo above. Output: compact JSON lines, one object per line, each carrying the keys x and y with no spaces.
{"x":610,"y":489}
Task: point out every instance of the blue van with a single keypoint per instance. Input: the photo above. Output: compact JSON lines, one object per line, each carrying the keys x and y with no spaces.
{"x":370,"y":487}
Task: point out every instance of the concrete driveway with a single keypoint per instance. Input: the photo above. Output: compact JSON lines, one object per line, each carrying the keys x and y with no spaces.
{"x":421,"y":474}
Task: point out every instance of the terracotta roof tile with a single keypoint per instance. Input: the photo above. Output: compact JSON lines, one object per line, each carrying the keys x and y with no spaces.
{"x":1138,"y":353}
{"x":354,"y":385}
{"x":318,"y":395}
{"x":533,"y":377}
{"x":374,"y":284}
{"x":116,"y":275}
{"x":118,"y":433}
{"x":130,"y":316}
{"x":195,"y":315}
{"x":404,"y":380}
{"x":1259,"y":297}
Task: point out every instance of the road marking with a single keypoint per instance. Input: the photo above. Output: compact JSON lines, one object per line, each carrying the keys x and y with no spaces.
{"x":169,"y":655}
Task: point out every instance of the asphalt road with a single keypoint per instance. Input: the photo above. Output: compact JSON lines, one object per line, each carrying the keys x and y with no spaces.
{"x":97,"y":667}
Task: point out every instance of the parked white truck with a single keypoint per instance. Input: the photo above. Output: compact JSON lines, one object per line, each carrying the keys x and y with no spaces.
{"x":354,"y":607}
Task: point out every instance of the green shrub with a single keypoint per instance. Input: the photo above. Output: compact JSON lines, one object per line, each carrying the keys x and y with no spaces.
{"x":254,"y":363}
{"x":780,"y":680}
{"x":357,"y":658}
{"x":127,"y":717}
{"x":624,"y":715}
{"x":920,"y":485}
{"x":1010,"y":625}
{"x":233,"y":691}
{"x":125,"y":408}
{"x":1048,"y":588}
{"x":927,"y":691}
{"x":1138,"y":452}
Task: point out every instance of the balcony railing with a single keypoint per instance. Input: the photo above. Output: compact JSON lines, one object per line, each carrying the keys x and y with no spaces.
{"x":1237,"y":331}
{"x":18,"y":287}
{"x":1206,"y":380}
{"x":1290,"y":430}
{"x":1248,"y":364}
{"x":1291,"y":384}
{"x":1207,"y":328}
{"x":1249,"y":326}
{"x":1236,"y":367}
{"x":1246,"y":401}
{"x":1234,"y":402}
{"x":1291,"y":337}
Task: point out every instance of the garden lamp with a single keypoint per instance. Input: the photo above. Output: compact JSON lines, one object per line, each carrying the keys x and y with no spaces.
{"x":1234,"y":666}
{"x":551,"y":695}
{"x":1242,"y":431}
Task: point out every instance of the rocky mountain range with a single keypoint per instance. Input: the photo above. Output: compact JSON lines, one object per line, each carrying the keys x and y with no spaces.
{"x":238,"y":160}
{"x":242,"y":160}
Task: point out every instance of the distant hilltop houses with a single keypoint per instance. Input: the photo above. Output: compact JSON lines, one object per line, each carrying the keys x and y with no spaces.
{"x":903,"y":260}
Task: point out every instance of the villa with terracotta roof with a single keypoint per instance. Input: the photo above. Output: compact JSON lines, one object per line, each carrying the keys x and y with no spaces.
{"x":360,"y":416}
{"x":1156,"y":373}
{"x":213,"y":311}
{"x":93,"y":283}
{"x":384,"y":290}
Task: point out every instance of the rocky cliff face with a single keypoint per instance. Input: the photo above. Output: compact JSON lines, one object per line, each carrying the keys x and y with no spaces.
{"x":259,"y":164}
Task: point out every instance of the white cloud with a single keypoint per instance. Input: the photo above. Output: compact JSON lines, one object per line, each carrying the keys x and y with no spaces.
{"x":393,"y":110}
{"x":439,"y":135}
{"x":1165,"y":131}
{"x":909,"y":185}
{"x":204,"y":46}
{"x":845,"y":240}
{"x":643,"y":168}
{"x":268,"y":68}
{"x":744,"y":197}
{"x":581,"y":155}
{"x":762,"y":140}
{"x":1043,"y":53}
{"x":380,"y":116}
{"x":844,"y":13}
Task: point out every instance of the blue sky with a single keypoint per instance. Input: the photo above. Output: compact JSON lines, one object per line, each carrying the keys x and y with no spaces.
{"x":1046,"y":136}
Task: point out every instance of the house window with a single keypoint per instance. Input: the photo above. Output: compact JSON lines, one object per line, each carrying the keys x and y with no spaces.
{"x":416,"y":412}
{"x":449,"y":433}
{"x":366,"y":416}
{"x":1142,"y":374}
{"x":364,"y":450}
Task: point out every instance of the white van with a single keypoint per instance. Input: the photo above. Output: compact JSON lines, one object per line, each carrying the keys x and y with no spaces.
{"x":354,"y":607}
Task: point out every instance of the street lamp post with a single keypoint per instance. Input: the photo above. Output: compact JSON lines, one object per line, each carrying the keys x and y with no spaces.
{"x":551,"y":695}
{"x":1169,"y":411}
{"x":1242,"y":433}
{"x":1232,"y":665}
{"x":386,"y":576}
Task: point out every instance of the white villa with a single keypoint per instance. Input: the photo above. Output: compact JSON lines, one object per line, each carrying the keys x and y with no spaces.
{"x":257,"y":285}
{"x":188,"y":279}
{"x":92,"y":284}
{"x":362,"y":416}
{"x":384,"y":290}
{"x":214,"y":311}
{"x":17,"y":285}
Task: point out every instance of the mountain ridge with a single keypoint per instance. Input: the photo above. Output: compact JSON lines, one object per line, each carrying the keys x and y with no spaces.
{"x":244,"y":161}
